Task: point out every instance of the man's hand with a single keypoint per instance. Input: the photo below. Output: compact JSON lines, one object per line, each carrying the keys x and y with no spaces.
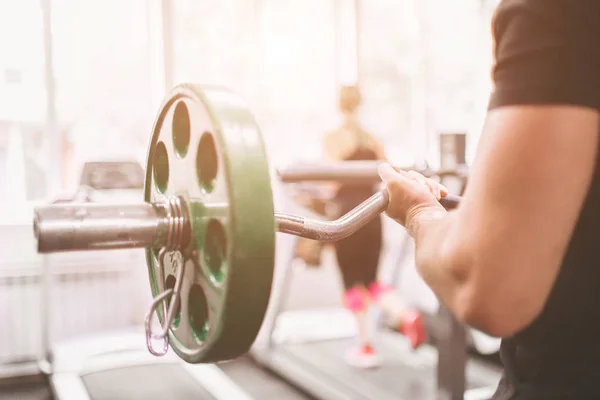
{"x":411,"y":195}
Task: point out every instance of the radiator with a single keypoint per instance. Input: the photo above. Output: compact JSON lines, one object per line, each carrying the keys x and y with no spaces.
{"x":83,"y":293}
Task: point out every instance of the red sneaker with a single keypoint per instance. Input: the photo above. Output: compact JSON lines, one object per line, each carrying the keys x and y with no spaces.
{"x":413,"y":327}
{"x":363,"y":356}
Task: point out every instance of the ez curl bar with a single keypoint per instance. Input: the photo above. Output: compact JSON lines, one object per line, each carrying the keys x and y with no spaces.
{"x":207,"y":223}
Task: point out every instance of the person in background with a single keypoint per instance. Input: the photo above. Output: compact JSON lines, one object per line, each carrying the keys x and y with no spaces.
{"x":358,"y":255}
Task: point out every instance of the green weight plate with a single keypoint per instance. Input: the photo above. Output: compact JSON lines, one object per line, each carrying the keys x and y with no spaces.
{"x":207,"y":149}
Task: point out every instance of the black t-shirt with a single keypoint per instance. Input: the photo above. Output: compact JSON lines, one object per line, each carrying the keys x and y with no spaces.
{"x":548,"y":52}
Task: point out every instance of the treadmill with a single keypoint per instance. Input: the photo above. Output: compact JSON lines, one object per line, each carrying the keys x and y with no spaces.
{"x":311,"y":357}
{"x":306,"y":348}
{"x":118,"y":366}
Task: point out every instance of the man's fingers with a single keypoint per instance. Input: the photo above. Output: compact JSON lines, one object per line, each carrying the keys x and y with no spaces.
{"x":387,"y":173}
{"x":417,"y":177}
{"x":443,"y":190}
{"x":397,"y":178}
{"x":393,"y":179}
{"x":429,"y":184}
{"x":434,"y":188}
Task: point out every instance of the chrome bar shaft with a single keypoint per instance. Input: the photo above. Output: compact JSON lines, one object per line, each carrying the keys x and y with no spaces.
{"x":331,"y":231}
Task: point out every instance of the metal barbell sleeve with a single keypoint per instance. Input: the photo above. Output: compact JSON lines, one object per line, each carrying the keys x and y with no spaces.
{"x":76,"y":227}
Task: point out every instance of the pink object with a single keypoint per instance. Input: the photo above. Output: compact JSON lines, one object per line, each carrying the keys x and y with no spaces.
{"x":354,"y":300}
{"x":376,"y":289}
{"x":413,"y":327}
{"x":363,"y":357}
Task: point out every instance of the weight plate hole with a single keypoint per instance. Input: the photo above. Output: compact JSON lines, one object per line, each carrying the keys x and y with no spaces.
{"x":198,"y":312}
{"x":215,"y":249}
{"x":170,"y":284}
{"x":181,"y":129}
{"x":207,"y":162}
{"x":161,"y":167}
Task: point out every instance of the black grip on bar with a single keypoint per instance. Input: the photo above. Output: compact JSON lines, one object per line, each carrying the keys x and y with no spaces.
{"x":450,"y":201}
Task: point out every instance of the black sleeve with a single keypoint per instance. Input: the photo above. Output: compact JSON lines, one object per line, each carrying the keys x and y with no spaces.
{"x":547,"y":52}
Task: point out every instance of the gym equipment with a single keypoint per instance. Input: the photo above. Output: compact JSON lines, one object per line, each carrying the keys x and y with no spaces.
{"x":207,"y":223}
{"x":118,"y":366}
{"x":358,"y":172}
{"x":453,"y":148}
{"x":312,"y":358}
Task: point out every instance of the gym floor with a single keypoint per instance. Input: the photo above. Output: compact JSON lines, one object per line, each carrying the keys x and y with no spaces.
{"x":257,"y":382}
{"x":25,"y":388}
{"x":254,"y":380}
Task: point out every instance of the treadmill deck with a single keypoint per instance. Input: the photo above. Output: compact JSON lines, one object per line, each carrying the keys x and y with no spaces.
{"x":124,"y":384}
{"x":404,"y":374}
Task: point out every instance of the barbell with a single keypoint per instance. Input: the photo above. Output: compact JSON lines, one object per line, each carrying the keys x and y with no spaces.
{"x":357,"y":172}
{"x":207,"y":223}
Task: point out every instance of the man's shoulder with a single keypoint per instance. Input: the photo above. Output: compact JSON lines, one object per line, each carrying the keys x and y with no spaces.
{"x":532,"y":21}
{"x":547,"y":9}
{"x":546,"y":52}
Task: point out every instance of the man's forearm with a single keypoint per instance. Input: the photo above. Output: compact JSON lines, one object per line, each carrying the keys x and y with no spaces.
{"x":437,"y":255}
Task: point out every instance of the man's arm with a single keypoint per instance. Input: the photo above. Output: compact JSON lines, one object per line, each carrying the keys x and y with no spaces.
{"x":494,"y":261}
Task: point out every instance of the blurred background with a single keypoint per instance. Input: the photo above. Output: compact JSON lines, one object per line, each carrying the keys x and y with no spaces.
{"x":81,"y":82}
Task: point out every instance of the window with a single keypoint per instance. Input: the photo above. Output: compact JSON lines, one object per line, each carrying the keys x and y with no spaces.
{"x":277,"y":54}
{"x":22,"y":106}
{"x":422,"y":73}
{"x":103,"y":81}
